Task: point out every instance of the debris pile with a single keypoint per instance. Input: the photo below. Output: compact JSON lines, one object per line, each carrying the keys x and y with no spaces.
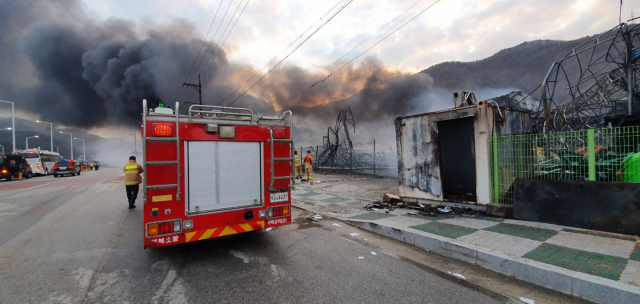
{"x":315,"y":218}
{"x":389,"y":201}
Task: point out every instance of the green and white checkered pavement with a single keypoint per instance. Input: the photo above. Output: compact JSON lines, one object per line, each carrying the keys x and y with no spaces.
{"x":606,"y":255}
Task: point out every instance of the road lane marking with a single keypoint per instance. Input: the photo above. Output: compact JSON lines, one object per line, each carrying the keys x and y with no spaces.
{"x":38,"y":186}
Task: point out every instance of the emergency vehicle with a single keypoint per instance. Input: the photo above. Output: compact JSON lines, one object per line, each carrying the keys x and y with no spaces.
{"x":217,"y":171}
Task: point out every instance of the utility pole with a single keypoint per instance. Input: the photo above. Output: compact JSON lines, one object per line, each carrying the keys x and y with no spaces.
{"x":198,"y":88}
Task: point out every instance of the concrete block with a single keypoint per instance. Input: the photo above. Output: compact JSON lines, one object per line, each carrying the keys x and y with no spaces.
{"x":445,"y":247}
{"x":601,"y":290}
{"x":397,"y":234}
{"x":391,"y":198}
{"x":533,"y":272}
{"x":362,"y":225}
{"x":503,"y":211}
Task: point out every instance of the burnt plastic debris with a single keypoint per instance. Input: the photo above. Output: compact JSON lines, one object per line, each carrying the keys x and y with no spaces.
{"x":315,"y":218}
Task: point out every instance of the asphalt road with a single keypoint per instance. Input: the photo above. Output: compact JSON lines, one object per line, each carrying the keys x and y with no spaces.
{"x":72,"y":240}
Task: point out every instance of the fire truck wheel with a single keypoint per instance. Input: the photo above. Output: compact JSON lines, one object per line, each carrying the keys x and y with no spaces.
{"x":55,"y":175}
{"x":10,"y":178}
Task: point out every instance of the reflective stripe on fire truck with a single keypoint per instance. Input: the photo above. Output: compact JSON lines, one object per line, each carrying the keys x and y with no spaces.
{"x":222,"y":231}
{"x":161,"y":198}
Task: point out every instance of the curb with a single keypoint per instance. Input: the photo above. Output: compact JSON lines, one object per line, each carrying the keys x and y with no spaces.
{"x":577,"y":284}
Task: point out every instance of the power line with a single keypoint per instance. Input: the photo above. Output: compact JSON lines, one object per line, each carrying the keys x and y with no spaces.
{"x":358,"y":56}
{"x":284,"y":50}
{"x":212,"y":38}
{"x":200,"y":50}
{"x":359,"y":44}
{"x":299,"y":45}
{"x":219,"y":49}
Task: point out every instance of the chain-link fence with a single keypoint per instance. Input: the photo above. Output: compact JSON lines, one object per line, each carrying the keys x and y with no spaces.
{"x":608,"y":154}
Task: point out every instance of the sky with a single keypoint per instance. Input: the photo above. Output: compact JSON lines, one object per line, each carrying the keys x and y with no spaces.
{"x":452,"y":30}
{"x":87,"y":64}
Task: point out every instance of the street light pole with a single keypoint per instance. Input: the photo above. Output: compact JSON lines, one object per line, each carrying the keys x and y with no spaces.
{"x":71,"y":142}
{"x":13,"y":123}
{"x":51,"y":132}
{"x":84,"y":156}
{"x":135,"y":143}
{"x":28,"y":140}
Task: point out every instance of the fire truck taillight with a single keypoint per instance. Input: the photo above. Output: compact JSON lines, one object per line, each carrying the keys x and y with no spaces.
{"x":162,"y":130}
{"x":278,"y":211}
{"x":162,"y":228}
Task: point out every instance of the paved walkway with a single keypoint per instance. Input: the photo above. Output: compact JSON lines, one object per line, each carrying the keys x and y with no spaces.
{"x":610,"y":262}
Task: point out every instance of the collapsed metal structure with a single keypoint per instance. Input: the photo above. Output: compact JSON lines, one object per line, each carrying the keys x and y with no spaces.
{"x":333,"y":148}
{"x":594,"y":85}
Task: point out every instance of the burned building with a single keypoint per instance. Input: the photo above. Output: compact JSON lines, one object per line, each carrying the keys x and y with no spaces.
{"x":443,"y":156}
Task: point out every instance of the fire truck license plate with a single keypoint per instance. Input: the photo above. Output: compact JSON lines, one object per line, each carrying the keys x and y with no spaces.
{"x":279,"y":197}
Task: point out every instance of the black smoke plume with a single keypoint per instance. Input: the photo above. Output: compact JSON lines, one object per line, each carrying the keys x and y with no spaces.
{"x":70,"y":69}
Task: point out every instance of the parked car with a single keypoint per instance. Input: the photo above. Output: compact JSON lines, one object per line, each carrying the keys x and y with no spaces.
{"x":63,"y":168}
{"x":13,"y":165}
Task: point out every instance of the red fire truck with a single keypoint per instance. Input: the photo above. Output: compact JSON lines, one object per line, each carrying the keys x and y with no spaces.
{"x":214,"y":172}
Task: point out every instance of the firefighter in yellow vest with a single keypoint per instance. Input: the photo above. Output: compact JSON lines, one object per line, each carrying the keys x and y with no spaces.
{"x":298,"y":164}
{"x":308,"y":166}
{"x":132,"y":180}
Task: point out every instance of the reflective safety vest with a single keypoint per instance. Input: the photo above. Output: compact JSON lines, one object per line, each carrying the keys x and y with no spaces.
{"x":297,"y":161}
{"x":132,"y":174}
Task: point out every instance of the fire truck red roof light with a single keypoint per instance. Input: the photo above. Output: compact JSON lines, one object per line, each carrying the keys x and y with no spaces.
{"x":162,"y":130}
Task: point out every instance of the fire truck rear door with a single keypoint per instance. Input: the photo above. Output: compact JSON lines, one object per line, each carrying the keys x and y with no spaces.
{"x":223,"y":175}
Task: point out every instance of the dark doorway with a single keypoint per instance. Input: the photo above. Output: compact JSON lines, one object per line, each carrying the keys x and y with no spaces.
{"x":457,"y":159}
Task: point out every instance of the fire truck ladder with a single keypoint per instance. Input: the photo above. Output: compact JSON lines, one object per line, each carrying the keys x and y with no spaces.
{"x":272,"y":142}
{"x":160,"y":163}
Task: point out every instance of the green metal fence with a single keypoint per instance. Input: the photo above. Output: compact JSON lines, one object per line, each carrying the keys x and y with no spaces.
{"x":609,"y":154}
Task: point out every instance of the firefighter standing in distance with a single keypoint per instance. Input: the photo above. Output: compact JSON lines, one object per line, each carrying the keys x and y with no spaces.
{"x":308,"y":160}
{"x":132,"y":180}
{"x":298,"y":165}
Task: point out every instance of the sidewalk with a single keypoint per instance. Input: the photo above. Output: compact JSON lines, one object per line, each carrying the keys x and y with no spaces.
{"x":596,"y":266}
